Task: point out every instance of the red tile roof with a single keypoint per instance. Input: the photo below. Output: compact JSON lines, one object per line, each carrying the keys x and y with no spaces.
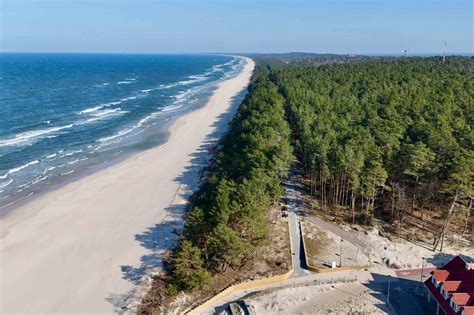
{"x":458,"y":281}
{"x":469,"y":310}
{"x":462,"y":298}
{"x":440,"y":275}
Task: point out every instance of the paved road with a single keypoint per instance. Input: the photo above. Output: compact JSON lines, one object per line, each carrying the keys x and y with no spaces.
{"x":408,"y":295}
{"x":292,"y":200}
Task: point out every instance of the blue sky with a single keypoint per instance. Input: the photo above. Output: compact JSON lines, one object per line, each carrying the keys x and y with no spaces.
{"x":172,"y":26}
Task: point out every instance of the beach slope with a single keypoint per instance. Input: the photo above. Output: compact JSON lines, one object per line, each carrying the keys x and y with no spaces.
{"x":84,"y":247}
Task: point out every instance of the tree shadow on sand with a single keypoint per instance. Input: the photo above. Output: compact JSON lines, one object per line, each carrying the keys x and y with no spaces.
{"x":163,"y":236}
{"x":440,"y":259}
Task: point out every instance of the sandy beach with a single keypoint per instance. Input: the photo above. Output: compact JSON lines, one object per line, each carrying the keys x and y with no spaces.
{"x":85,"y":247}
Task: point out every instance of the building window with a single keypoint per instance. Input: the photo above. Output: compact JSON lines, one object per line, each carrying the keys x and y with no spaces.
{"x":453,"y":305}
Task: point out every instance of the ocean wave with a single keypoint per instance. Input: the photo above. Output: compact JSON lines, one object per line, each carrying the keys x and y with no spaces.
{"x":49,"y":169}
{"x":146,"y":90}
{"x":193,"y":79}
{"x":19,"y":168}
{"x":199,"y":77}
{"x":168,"y":86}
{"x":125,"y":82}
{"x":51,"y":156}
{"x":99,"y":107}
{"x":105,"y":114}
{"x":76,"y":161}
{"x":5,"y":184}
{"x":8,"y":204}
{"x":171,"y":108}
{"x":126,"y":131}
{"x":39,"y":179}
{"x":92,"y":109}
{"x":117,"y":135}
{"x":66,"y":155}
{"x":31,"y":135}
{"x":128,"y":98}
{"x":108,"y":112}
{"x":181,"y":95}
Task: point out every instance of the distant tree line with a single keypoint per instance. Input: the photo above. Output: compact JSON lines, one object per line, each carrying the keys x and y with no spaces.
{"x":389,"y":135}
{"x":228,"y":218}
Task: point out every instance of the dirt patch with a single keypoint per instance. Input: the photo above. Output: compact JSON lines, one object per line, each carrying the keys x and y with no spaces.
{"x":325,"y":249}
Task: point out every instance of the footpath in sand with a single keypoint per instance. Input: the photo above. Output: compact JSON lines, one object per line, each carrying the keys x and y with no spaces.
{"x":85,"y":247}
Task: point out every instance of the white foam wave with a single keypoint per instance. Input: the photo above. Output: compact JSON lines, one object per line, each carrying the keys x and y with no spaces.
{"x":146,"y":91}
{"x":5,"y":184}
{"x":51,"y":155}
{"x":67,"y":154}
{"x":8,"y":204}
{"x":104,"y":114}
{"x":128,"y":98}
{"x":49,"y":169}
{"x":39,"y":179}
{"x":19,"y":168}
{"x":125,"y":132}
{"x":167,"y":86}
{"x":76,"y":161}
{"x":193,"y":79}
{"x":31,"y":135}
{"x":171,"y":108}
{"x":108,"y":112}
{"x":92,"y":109}
{"x":99,"y":107}
{"x":125,"y":82}
{"x":117,"y":135}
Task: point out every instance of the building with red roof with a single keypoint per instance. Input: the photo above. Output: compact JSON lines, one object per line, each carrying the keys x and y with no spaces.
{"x":452,"y":287}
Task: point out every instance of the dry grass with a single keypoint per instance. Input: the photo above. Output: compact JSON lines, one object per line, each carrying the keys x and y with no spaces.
{"x":317,"y":244}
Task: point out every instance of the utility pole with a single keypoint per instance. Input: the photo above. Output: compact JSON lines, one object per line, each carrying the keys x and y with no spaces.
{"x":422,"y":265}
{"x":340,"y":254}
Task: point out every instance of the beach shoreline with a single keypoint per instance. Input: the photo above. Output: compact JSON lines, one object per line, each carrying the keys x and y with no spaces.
{"x":84,"y":246}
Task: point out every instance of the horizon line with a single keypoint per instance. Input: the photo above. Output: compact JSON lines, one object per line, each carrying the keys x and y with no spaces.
{"x":241,"y":53}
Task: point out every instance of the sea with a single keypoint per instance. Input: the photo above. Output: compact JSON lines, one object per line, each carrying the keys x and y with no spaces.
{"x":66,"y":115}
